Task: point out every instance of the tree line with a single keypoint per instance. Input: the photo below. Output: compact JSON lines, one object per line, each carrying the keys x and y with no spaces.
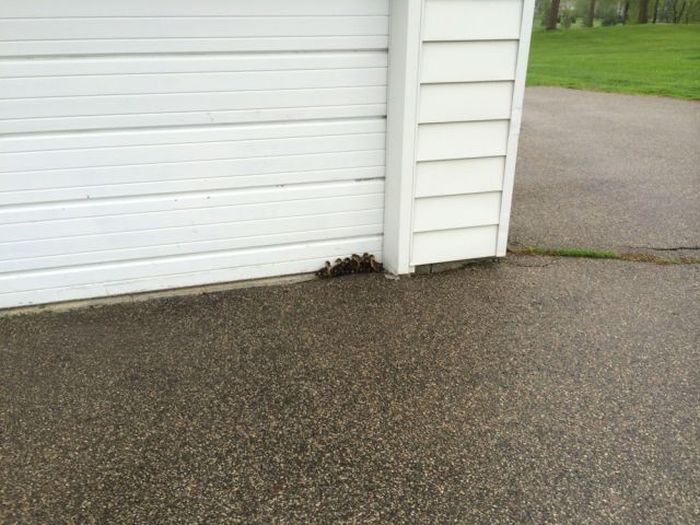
{"x":564,"y":13}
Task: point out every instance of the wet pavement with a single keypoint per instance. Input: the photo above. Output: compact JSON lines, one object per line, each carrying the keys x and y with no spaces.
{"x":531,"y":390}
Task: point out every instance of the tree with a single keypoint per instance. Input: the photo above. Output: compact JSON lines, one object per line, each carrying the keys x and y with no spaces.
{"x":656,"y":12}
{"x":643,"y":12}
{"x":553,"y":15}
{"x":588,"y":19}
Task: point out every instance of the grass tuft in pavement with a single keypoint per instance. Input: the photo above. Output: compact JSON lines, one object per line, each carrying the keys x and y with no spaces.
{"x":589,"y":253}
{"x":572,"y":252}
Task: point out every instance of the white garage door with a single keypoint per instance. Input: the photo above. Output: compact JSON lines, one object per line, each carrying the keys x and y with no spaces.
{"x":149,"y":144}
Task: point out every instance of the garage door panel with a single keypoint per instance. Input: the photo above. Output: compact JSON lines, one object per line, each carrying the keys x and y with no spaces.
{"x":190,"y":118}
{"x":126,"y":104}
{"x":146,"y":145}
{"x":180,"y":247}
{"x":181,"y":201}
{"x":175,"y":8}
{"x":190,"y":27}
{"x":172,"y":218}
{"x":188,"y":135}
{"x":98,"y":274}
{"x":70,"y":184}
{"x":51,"y":196}
{"x":189,"y":233}
{"x":81,"y":28}
{"x":228,"y":62}
{"x":306,"y":262}
{"x":128,"y":155}
{"x":69,"y":112}
{"x":185,"y":45}
{"x":163,"y":83}
{"x":195,"y":269}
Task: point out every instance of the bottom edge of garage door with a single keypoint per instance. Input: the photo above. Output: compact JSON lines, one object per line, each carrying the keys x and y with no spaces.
{"x":317,"y":255}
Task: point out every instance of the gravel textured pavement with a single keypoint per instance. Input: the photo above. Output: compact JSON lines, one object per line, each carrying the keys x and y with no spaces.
{"x":534,"y":390}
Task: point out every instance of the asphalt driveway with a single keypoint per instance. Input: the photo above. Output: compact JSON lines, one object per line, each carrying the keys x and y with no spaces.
{"x":608,"y":171}
{"x":531,"y":390}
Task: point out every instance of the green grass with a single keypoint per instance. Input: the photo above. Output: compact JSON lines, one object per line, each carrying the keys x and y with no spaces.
{"x":572,"y":252}
{"x":653,"y":59}
{"x":589,"y":253}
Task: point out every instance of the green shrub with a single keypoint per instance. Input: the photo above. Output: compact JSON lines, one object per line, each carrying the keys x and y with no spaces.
{"x":568,"y":18}
{"x":609,"y":16}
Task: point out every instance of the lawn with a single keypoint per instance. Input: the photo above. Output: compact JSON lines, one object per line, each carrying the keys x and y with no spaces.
{"x":652,"y":59}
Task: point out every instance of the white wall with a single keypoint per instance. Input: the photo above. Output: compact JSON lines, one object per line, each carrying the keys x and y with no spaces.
{"x":459,"y":162}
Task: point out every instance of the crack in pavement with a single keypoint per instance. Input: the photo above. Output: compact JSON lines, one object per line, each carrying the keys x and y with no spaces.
{"x":664,"y":249}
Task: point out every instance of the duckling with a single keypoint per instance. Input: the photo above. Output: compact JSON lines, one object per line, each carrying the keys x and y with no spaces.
{"x":350,"y":265}
{"x":325,"y":271}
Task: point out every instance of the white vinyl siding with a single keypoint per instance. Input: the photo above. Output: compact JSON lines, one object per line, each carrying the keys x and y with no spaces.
{"x":464,"y":101}
{"x":455,"y":140}
{"x":455,"y":244}
{"x":468,"y":64}
{"x":447,"y":212}
{"x":168,"y":143}
{"x":472,"y":20}
{"x":452,"y":177}
{"x":468,"y":61}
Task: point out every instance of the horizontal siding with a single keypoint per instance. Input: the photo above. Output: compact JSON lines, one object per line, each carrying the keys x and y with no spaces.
{"x":467,"y":70}
{"x":462,"y":140}
{"x":453,"y":245}
{"x":468,"y":61}
{"x":150,"y":145}
{"x":456,"y":211}
{"x":472,"y":20}
{"x":453,"y":177}
{"x":465,"y":101}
